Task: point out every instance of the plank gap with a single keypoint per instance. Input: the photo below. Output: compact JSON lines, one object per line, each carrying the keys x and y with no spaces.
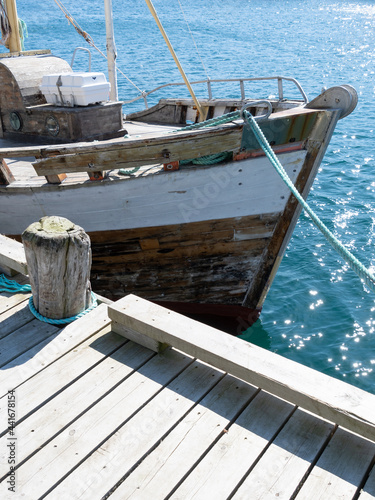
{"x":214,"y":442}
{"x":314,"y":462}
{"x":270,"y":441}
{"x":59,"y":391}
{"x":78,"y":416}
{"x":116,"y":429}
{"x":371,"y":468}
{"x":156,"y":444}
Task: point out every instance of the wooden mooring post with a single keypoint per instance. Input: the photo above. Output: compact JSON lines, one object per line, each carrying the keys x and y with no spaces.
{"x":58,"y":255}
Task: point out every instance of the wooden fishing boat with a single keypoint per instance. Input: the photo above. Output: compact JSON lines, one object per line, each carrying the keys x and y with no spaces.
{"x":195,"y":218}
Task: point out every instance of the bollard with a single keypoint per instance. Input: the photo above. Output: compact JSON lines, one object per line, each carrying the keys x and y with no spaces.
{"x":58,"y":255}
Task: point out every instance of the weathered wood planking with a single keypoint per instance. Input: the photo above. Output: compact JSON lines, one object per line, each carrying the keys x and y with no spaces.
{"x":23,"y":339}
{"x":12,"y":255}
{"x":247,"y":437}
{"x":283,"y":466}
{"x":368,"y":491}
{"x":98,"y":415}
{"x":15,"y":318}
{"x":163,"y":469}
{"x":85,"y":435}
{"x":6,"y":176}
{"x":340,"y":469}
{"x":348,"y":406}
{"x":29,"y":362}
{"x":227,"y":251}
{"x":133,"y":152}
{"x":94,"y":384}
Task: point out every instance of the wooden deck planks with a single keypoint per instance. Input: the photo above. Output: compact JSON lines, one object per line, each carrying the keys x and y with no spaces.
{"x":15,"y":318}
{"x":339,"y":402}
{"x":46,"y":352}
{"x":23,"y":339}
{"x":12,"y":255}
{"x":163,"y":469}
{"x":55,"y":377}
{"x":284,"y":465}
{"x":368,"y":491}
{"x":99,"y":415}
{"x":118,"y":455}
{"x":58,"y":413}
{"x":218,"y":474}
{"x":340,"y":469}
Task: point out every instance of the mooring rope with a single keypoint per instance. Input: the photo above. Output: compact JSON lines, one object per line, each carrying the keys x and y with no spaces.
{"x":249,"y":120}
{"x":349,"y":258}
{"x":11,"y":286}
{"x":63,"y":321}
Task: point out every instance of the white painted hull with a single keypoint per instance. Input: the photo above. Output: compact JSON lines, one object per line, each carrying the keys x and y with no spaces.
{"x":247,"y":188}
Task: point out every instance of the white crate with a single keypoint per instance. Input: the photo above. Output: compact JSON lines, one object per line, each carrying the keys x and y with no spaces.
{"x":49,"y":89}
{"x":76,"y":89}
{"x":82,"y":79}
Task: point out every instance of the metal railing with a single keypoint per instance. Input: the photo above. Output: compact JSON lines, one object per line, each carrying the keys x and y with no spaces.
{"x":241,"y":82}
{"x":74,"y":55}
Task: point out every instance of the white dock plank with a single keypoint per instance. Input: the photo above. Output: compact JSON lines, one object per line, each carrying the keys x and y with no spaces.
{"x":23,"y":339}
{"x":281,"y":469}
{"x":60,"y":456}
{"x":340,"y":469}
{"x":220,"y":471}
{"x":368,"y":491}
{"x":8,"y":300}
{"x":47,"y":383}
{"x":15,"y":318}
{"x":341,"y":403}
{"x":12,"y":255}
{"x":56,"y":414}
{"x":104,"y":468}
{"x":165,"y":467}
{"x":45,"y":353}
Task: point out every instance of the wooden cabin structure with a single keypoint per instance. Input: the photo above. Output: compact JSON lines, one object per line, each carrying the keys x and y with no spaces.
{"x":25,"y":114}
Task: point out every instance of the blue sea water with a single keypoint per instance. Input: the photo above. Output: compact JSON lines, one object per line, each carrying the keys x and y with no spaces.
{"x":318,"y":312}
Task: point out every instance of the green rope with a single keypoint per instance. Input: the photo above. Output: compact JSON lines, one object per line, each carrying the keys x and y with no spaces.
{"x":209,"y":159}
{"x":22,"y":28}
{"x":214,"y":158}
{"x":11,"y":286}
{"x":351,"y":260}
{"x":128,"y":172}
{"x":220,"y":120}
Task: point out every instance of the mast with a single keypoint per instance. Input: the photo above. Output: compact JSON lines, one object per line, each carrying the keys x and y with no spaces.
{"x":165,"y":36}
{"x":14,"y":39}
{"x":111,"y":50}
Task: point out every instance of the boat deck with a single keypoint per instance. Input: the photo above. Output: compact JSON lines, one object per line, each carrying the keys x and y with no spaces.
{"x":25,"y":175}
{"x":97,"y":416}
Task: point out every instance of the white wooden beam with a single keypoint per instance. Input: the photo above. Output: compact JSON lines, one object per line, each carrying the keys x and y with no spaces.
{"x":318,"y":393}
{"x":12,"y":256}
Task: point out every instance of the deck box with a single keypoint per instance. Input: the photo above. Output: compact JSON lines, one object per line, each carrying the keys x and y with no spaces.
{"x":75,"y":89}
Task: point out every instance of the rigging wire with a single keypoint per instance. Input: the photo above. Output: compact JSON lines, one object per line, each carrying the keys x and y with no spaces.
{"x":192,"y":37}
{"x":89,"y":39}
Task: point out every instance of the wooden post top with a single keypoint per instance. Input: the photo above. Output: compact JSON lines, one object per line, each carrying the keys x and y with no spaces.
{"x":52,"y":224}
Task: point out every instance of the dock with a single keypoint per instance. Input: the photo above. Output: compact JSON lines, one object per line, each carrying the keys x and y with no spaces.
{"x":135,"y":401}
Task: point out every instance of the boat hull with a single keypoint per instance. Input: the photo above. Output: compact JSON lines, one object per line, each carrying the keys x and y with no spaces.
{"x":197,"y":240}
